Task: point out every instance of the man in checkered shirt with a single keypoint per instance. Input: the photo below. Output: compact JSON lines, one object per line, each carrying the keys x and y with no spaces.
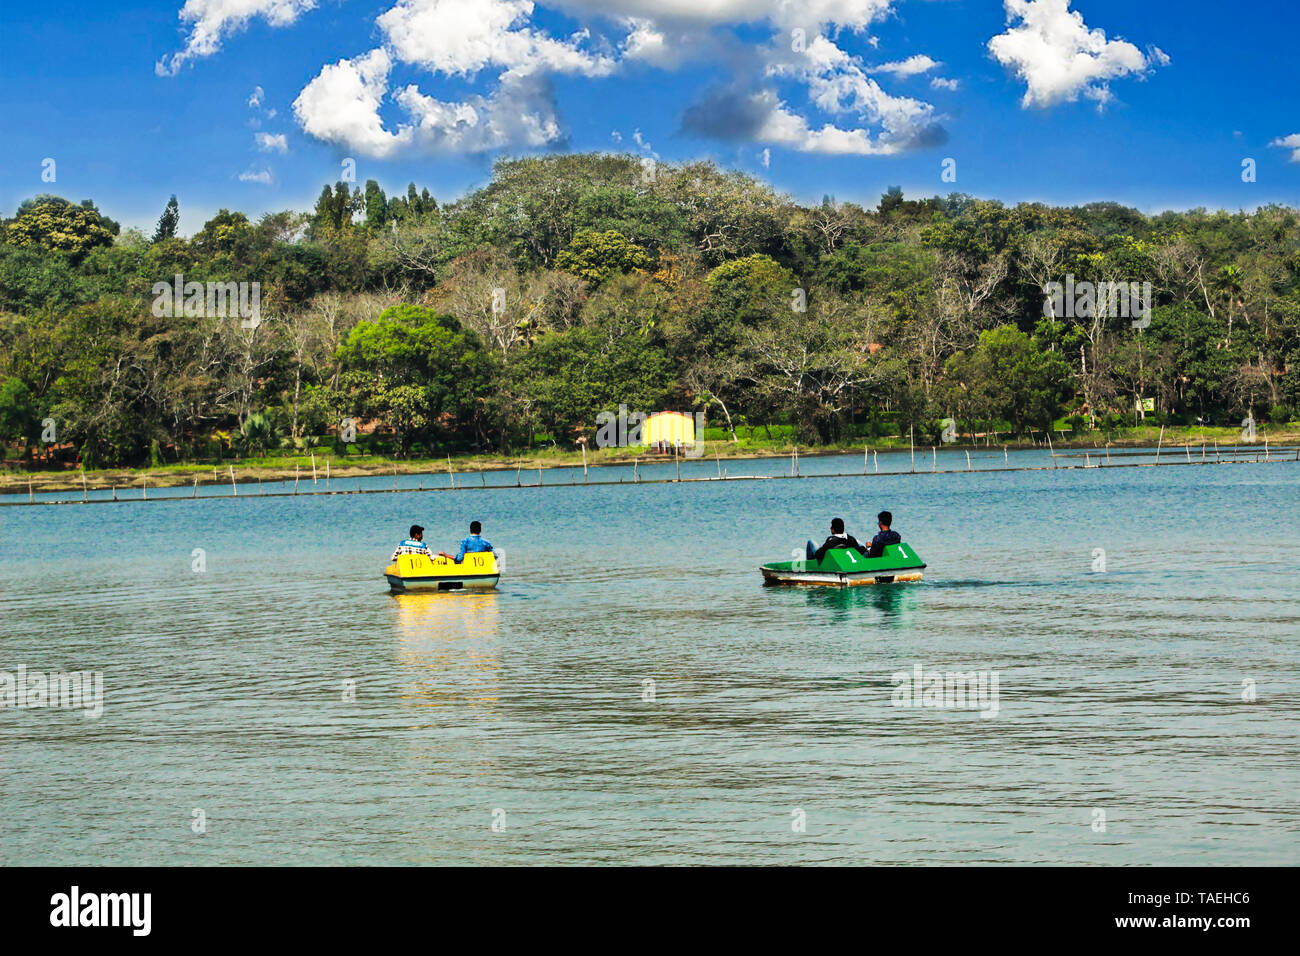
{"x":414,"y":544}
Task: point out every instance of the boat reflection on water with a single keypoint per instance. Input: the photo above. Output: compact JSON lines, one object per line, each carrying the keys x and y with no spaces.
{"x":447,"y":648}
{"x":896,"y":603}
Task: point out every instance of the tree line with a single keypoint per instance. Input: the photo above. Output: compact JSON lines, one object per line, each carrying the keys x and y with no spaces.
{"x":571,"y":284}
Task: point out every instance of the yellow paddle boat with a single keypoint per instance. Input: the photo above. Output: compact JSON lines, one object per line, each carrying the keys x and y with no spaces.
{"x":419,"y":572}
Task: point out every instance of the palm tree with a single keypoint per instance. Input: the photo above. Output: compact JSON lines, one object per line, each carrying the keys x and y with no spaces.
{"x":258,"y":433}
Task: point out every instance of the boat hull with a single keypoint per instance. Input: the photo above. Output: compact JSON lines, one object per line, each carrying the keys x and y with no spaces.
{"x":443,"y":583}
{"x":817,"y":579}
{"x":419,"y":572}
{"x":846,"y":568}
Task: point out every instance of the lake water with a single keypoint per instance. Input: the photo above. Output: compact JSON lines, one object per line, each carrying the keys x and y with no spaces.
{"x":281,"y":701}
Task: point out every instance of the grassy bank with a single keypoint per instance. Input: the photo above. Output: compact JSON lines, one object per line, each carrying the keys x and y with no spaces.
{"x":279,"y":468}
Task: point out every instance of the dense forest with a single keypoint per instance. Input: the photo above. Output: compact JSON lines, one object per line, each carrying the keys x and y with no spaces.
{"x":572,"y":284}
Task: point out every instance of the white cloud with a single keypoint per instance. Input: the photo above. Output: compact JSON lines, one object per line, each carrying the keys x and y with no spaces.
{"x":272,"y":142}
{"x":838,"y":84}
{"x":647,"y":42}
{"x":341,"y":105}
{"x":1059,"y":57}
{"x":519,"y":113}
{"x":466,"y":36}
{"x":809,"y":14}
{"x":210,"y":21}
{"x":919,"y":63}
{"x":940,"y":83}
{"x":762,"y":116}
{"x":500,"y":44}
{"x":1292,"y":143}
{"x":260,"y":176}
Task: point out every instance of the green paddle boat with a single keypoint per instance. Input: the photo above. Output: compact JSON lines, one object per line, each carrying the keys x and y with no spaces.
{"x":846,"y":567}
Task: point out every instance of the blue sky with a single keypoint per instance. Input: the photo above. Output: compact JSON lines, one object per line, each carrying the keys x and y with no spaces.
{"x":1153,"y":104}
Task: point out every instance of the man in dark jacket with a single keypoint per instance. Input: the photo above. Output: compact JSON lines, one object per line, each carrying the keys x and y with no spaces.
{"x":885,"y":537}
{"x":838,"y":539}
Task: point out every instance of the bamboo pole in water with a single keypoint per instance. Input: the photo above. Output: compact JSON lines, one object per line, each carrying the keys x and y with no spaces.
{"x":85,"y":493}
{"x":195,"y":493}
{"x":1159,"y":443}
{"x":233,"y":487}
{"x":296,"y":469}
{"x":934,"y":458}
{"x":313,"y":468}
{"x":911,"y":440}
{"x":584,"y":461}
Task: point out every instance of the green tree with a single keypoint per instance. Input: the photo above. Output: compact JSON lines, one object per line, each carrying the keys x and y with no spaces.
{"x":376,"y":205}
{"x":168,"y":221}
{"x":595,"y":256}
{"x":227,"y":233}
{"x":420,"y":374}
{"x":52,"y":222}
{"x":19,"y":420}
{"x":334,"y":210}
{"x":257,"y":434}
{"x":1008,"y":376}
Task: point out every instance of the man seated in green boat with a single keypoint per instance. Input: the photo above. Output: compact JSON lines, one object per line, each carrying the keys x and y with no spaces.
{"x":838,"y":539}
{"x":474,"y":544}
{"x":885,"y":537}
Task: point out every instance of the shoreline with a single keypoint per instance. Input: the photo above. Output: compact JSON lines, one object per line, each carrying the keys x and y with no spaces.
{"x":286,"y":468}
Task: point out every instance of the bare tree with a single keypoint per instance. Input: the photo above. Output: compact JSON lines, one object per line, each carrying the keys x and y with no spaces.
{"x":487,"y":294}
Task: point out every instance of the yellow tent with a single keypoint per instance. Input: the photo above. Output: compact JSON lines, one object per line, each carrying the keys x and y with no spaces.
{"x":668,"y":428}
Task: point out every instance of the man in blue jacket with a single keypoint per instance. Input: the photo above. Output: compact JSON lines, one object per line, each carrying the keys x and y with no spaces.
{"x":474,"y":544}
